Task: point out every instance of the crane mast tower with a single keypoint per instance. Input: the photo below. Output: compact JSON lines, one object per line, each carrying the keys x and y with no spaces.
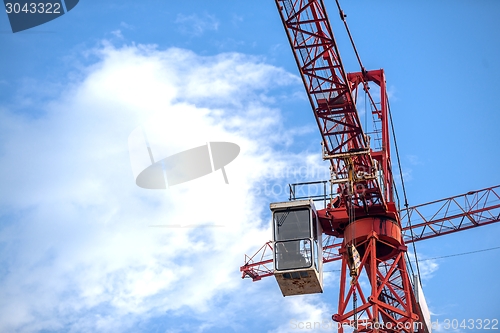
{"x":364,"y":213}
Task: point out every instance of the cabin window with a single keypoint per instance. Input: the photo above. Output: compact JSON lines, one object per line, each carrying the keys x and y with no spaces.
{"x":293,"y":254}
{"x":292,"y":224}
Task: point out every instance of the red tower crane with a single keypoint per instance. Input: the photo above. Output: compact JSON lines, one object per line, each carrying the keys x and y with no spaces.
{"x":362,"y":225}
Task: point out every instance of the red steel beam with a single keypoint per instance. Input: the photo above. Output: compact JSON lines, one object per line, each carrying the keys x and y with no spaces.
{"x":330,"y":93}
{"x":461,"y":212}
{"x":437,"y":218}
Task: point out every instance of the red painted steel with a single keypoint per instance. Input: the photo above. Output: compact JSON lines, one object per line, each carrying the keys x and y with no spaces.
{"x":330,"y":92}
{"x":364,"y":213}
{"x":263,"y":267}
{"x":390,"y":302}
{"x":457,"y":213}
{"x":362,"y":171}
{"x":437,"y":218}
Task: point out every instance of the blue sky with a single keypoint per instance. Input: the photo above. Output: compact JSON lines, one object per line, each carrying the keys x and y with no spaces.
{"x":76,"y":250}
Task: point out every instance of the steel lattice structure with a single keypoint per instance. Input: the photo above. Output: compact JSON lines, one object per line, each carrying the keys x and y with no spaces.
{"x":441,"y":217}
{"x":457,"y":213}
{"x":363,"y":214}
{"x":330,"y":92}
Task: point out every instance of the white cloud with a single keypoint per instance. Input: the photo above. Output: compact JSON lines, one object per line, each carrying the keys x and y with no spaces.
{"x":77,"y":251}
{"x":117,"y":33}
{"x":414,"y":159}
{"x":307,"y":313}
{"x":194,"y":25}
{"x":426,"y":266}
{"x":127,"y":26}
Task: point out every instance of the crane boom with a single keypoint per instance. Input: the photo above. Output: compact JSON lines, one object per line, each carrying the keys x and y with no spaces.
{"x":330,"y":92}
{"x":449,"y":215}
